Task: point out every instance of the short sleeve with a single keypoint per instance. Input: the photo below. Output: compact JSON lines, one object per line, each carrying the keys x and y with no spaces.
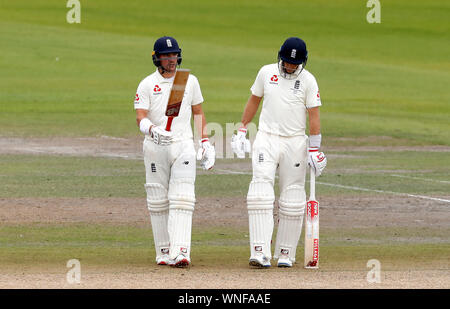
{"x":312,"y":94}
{"x":257,"y":88}
{"x":142,"y":97}
{"x":197,"y":96}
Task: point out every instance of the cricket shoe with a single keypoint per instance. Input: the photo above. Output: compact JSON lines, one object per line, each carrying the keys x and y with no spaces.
{"x":164,"y":260}
{"x":181,"y":261}
{"x":260,"y":261}
{"x":284,"y":262}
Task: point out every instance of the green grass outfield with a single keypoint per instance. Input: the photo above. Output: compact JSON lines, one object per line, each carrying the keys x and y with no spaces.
{"x":214,"y":248}
{"x":124,"y":245}
{"x":77,"y":80}
{"x":388,"y":79}
{"x":421,"y":173}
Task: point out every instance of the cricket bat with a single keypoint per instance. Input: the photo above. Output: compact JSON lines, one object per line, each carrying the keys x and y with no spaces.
{"x":312,"y":226}
{"x":176,"y":96}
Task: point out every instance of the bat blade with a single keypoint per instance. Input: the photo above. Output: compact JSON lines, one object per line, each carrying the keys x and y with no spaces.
{"x":312,"y":228}
{"x":176,"y":96}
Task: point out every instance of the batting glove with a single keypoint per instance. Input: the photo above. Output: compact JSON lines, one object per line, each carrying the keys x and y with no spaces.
{"x":240,"y":144}
{"x":160,"y":136}
{"x":316,"y":160}
{"x":206,"y":154}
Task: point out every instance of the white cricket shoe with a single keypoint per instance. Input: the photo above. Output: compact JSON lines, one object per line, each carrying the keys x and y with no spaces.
{"x":164,"y":260}
{"x":181,"y":261}
{"x":259,"y":260}
{"x":284,"y":262}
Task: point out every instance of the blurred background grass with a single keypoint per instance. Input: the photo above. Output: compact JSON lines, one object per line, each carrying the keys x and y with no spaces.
{"x":388,"y":79}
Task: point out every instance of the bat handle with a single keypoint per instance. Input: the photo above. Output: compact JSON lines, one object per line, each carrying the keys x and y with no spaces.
{"x":169,"y":123}
{"x":312,"y":184}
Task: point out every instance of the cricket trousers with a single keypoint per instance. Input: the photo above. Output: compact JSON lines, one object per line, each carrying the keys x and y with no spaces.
{"x":170,"y":176}
{"x":288,"y":155}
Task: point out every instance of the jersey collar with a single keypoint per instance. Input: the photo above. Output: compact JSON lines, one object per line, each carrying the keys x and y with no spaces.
{"x":161,"y":79}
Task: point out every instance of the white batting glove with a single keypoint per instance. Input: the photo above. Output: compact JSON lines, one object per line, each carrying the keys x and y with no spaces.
{"x":206,"y":154}
{"x":317,"y":160}
{"x":160,"y":136}
{"x":240,"y":144}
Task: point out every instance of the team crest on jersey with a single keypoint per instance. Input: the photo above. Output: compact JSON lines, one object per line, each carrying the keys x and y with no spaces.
{"x":296,"y":88}
{"x":274,"y":80}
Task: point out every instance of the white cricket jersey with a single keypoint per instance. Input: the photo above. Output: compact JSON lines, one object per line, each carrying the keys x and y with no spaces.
{"x":153,"y":94}
{"x":285,"y":101}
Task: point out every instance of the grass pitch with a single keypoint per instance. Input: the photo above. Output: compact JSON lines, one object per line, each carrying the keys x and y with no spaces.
{"x":387,"y":79}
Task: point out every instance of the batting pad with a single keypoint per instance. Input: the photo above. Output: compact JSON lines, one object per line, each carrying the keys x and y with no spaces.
{"x":181,"y":208}
{"x":291,"y":209}
{"x":260,"y":199}
{"x":158,"y":206}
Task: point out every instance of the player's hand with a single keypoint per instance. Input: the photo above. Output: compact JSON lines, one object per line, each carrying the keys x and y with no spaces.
{"x":240,"y":144}
{"x":317,"y":160}
{"x":206,"y":154}
{"x":160,"y":136}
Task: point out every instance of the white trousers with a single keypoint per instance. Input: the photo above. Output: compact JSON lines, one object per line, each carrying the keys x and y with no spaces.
{"x":170,"y":177}
{"x":289,"y":156}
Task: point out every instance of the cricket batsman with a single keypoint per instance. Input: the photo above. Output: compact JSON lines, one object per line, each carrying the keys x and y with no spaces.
{"x":290,"y":92}
{"x":169,"y":156}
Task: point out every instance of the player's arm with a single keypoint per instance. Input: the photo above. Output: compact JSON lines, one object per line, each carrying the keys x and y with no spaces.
{"x":250,"y":109}
{"x":158,"y":135}
{"x":199,"y":120}
{"x":142,"y":105}
{"x":314,"y":121}
{"x":239,"y":143}
{"x":206,"y":153}
{"x":141,"y":114}
{"x":316,"y":159}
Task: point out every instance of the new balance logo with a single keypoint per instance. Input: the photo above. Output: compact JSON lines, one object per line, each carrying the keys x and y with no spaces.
{"x":153,"y":167}
{"x":297,"y":84}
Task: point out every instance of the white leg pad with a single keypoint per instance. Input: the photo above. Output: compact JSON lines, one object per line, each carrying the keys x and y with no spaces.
{"x":291,"y":210}
{"x":260,"y":199}
{"x":181,"y":208}
{"x":158,"y":206}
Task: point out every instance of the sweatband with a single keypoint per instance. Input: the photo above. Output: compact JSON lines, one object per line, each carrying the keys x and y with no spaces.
{"x":145,"y":125}
{"x":315,"y":140}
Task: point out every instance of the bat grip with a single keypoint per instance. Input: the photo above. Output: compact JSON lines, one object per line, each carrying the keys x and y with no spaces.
{"x":169,"y":123}
{"x":312,"y":184}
